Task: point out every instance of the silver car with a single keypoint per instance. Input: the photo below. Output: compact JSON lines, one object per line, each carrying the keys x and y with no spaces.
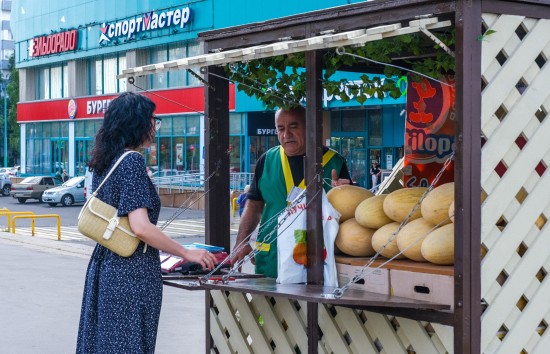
{"x":67,"y":194}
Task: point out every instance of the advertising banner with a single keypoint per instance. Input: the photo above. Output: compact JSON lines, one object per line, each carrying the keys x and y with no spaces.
{"x":429,"y":131}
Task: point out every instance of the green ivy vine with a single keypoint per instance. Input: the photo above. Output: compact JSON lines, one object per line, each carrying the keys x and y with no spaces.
{"x":280,"y":81}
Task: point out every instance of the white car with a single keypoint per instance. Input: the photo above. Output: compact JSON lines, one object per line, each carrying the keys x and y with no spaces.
{"x":67,"y":194}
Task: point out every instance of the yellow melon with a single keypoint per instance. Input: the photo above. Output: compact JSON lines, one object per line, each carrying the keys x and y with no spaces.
{"x":398,"y":204}
{"x":370,"y":212}
{"x":452,"y":212}
{"x":354,"y":239}
{"x":346,"y":198}
{"x":381,"y":237}
{"x":435,"y":207}
{"x":410,"y":237}
{"x":439,"y":246}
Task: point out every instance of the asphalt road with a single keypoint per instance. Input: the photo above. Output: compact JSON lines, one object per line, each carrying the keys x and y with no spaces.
{"x":69,"y":215}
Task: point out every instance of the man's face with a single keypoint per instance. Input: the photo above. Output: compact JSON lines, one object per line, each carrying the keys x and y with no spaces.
{"x":291,"y":131}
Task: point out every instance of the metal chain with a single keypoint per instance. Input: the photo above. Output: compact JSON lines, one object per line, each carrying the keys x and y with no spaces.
{"x":181,"y":208}
{"x":338,"y":292}
{"x":268,"y":238}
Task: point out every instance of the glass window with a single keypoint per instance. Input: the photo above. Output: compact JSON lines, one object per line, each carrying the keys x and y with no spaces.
{"x":192,"y":156}
{"x":192,"y":50}
{"x":375,"y":127}
{"x":44,"y":83}
{"x":234,"y":154}
{"x":159,"y":55}
{"x":98,"y":77}
{"x":56,"y":77}
{"x":178,"y":125}
{"x":235,"y":124}
{"x":109,"y":75}
{"x":176,"y":78}
{"x":166,"y":126}
{"x":192,"y":126}
{"x":353,"y":121}
{"x":121,"y":66}
{"x":335,"y":121}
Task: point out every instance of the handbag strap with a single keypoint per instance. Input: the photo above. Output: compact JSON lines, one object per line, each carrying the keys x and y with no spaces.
{"x":112,"y":170}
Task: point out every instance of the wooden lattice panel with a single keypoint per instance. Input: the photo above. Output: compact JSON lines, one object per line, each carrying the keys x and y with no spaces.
{"x":244,"y":323}
{"x":515,"y":234}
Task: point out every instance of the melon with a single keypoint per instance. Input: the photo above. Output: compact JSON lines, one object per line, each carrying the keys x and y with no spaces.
{"x":346,"y":198}
{"x":435,"y":207}
{"x":452,"y":212}
{"x":410,"y":237}
{"x":398,"y":204}
{"x":354,"y":239}
{"x":370,"y":212}
{"x":439,"y":246}
{"x":381,"y":237}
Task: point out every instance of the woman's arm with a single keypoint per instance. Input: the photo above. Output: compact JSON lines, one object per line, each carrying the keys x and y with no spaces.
{"x":151,"y":235}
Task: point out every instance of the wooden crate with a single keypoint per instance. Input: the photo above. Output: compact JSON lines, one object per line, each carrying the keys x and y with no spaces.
{"x":422,"y":281}
{"x":376,"y":281}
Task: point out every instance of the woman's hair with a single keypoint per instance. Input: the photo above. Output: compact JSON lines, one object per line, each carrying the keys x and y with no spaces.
{"x":127,"y":125}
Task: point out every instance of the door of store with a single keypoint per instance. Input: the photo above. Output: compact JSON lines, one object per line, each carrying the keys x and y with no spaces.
{"x":83,"y":149}
{"x":59,"y":155}
{"x":358,"y":167}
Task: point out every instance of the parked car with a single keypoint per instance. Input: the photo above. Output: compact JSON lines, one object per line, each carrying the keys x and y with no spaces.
{"x":67,"y":194}
{"x":5,"y":184}
{"x":12,"y":171}
{"x":32,"y":188}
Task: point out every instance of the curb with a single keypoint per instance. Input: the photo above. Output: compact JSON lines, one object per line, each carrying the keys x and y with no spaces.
{"x":47,"y":245}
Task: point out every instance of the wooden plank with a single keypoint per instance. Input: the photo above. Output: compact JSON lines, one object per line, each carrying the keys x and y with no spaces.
{"x":379,"y":327}
{"x":530,"y":48}
{"x":531,"y":209}
{"x":332,"y":332}
{"x":227,"y":318}
{"x":217,"y":333}
{"x":272,"y":325}
{"x":445,"y":334}
{"x":314,"y":293}
{"x":398,"y":264}
{"x":284,"y":309}
{"x":505,"y":27}
{"x":528,"y":322}
{"x":348,"y":320}
{"x":514,"y":287}
{"x":420,"y":340}
{"x":249,"y":323}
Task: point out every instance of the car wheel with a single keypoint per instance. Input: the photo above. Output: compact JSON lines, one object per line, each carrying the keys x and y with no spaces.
{"x":52,"y":204}
{"x":6,"y":190}
{"x":67,"y":200}
{"x":22,"y":200}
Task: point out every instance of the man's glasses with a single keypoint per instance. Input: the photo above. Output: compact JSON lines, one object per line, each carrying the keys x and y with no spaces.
{"x":158,"y":122}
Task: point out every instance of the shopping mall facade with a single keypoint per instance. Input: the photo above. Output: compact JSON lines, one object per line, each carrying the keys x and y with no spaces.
{"x":69,"y":56}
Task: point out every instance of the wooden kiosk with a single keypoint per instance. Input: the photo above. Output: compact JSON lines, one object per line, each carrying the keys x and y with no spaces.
{"x":502,"y":189}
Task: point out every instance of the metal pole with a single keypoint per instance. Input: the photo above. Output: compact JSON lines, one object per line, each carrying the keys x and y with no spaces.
{"x":5,"y":128}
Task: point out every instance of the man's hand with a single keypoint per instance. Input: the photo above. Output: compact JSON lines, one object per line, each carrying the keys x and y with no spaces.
{"x":338,"y":181}
{"x":241,"y":255}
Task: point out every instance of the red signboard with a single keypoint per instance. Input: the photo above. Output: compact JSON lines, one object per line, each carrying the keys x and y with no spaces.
{"x":176,"y":101}
{"x":429,"y":131}
{"x":53,"y":43}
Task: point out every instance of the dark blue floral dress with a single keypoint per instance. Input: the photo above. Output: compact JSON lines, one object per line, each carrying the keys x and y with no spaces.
{"x":122,"y":296}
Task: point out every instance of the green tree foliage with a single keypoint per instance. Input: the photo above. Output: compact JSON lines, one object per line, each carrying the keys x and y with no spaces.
{"x":280,"y":81}
{"x":14,"y":139}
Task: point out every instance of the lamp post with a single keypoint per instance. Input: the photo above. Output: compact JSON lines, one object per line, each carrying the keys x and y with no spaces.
{"x":5,"y":93}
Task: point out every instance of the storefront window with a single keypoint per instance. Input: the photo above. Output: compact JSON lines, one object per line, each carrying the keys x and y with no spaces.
{"x":353,"y":121}
{"x":192,"y":154}
{"x":104,"y":74}
{"x":159,"y":55}
{"x":375,"y":127}
{"x":192,"y":50}
{"x":176,"y":78}
{"x":192,"y":126}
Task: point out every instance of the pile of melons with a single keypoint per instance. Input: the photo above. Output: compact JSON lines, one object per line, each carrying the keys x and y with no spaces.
{"x":369,"y":221}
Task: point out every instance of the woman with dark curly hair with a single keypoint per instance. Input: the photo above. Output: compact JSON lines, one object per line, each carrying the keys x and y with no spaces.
{"x":122,"y":296}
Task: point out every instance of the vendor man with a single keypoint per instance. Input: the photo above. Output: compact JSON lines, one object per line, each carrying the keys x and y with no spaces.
{"x":278,"y":172}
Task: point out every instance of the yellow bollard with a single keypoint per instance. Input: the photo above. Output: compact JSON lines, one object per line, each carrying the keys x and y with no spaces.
{"x":33,"y":217}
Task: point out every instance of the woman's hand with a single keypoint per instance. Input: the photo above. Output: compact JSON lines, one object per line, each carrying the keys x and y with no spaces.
{"x":206,"y":259}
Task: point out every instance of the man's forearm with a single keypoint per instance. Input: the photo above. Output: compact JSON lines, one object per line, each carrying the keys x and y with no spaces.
{"x":250,"y":219}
